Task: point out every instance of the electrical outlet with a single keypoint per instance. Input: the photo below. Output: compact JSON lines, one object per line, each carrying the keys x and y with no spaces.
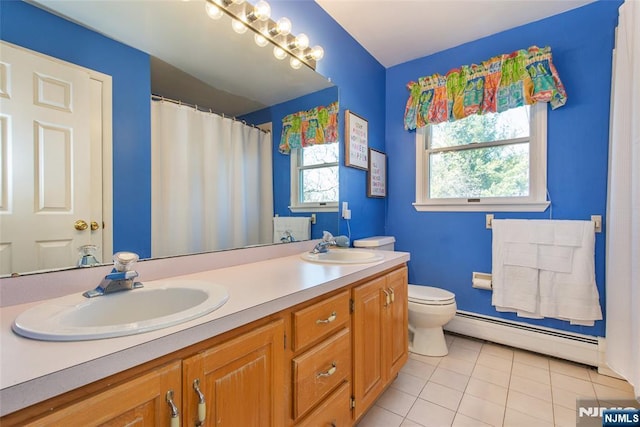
{"x":345,"y":210}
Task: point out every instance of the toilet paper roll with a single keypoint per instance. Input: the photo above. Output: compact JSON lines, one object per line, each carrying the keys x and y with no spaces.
{"x":481,"y":283}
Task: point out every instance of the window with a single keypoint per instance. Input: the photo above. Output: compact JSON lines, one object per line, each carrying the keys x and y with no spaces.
{"x":314,"y":178}
{"x":491,"y":162}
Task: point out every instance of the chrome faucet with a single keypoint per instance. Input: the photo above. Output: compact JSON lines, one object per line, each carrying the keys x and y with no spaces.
{"x":287,"y":237}
{"x":323,"y":246}
{"x":121,"y":277}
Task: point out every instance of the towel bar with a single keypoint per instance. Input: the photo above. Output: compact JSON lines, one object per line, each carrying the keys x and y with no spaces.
{"x":596,"y":219}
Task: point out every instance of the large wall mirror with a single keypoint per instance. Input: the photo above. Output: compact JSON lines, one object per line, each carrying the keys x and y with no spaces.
{"x":178,"y":53}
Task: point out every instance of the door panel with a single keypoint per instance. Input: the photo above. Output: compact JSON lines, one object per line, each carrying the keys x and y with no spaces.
{"x":46,"y":161}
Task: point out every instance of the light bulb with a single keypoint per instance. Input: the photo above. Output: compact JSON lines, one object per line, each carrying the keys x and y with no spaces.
{"x":262,"y":10}
{"x":301,"y":42}
{"x":238,"y":26}
{"x":213,"y":11}
{"x":283,"y":27}
{"x":260,"y":40}
{"x":317,"y":53}
{"x":279,"y":53}
{"x":295,"y":63}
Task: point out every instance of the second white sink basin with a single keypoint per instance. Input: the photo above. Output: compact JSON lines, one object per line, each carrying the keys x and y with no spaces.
{"x":343,"y":256}
{"x":158,"y":305}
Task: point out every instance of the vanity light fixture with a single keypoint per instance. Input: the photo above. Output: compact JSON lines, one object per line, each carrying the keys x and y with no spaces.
{"x":257,"y":18}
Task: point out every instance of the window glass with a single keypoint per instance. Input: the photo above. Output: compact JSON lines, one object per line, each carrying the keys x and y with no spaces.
{"x":511,"y":124}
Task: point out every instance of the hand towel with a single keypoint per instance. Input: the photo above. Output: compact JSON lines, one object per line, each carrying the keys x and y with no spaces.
{"x":545,"y":268}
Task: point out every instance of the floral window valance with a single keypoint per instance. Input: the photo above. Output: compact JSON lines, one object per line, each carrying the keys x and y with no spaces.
{"x":506,"y":81}
{"x":304,"y":128}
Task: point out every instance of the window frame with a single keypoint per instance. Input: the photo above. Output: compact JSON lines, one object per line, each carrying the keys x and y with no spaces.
{"x":295,"y":173}
{"x":536,"y":201}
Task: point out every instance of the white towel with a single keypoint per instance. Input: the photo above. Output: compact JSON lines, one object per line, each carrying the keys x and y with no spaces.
{"x":545,"y":269}
{"x":298,"y":227}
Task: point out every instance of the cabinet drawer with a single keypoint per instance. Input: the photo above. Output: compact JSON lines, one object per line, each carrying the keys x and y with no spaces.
{"x":320,"y":370}
{"x":333,"y":412}
{"x":320,"y":319}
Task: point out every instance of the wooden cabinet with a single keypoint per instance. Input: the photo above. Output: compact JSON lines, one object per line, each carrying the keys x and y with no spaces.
{"x":240,"y":381}
{"x":380,"y":336}
{"x":137,"y":402}
{"x":346,"y":346}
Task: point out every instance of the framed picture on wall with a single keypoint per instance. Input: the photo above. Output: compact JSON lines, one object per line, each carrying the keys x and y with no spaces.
{"x":356,"y":136}
{"x":377,"y":175}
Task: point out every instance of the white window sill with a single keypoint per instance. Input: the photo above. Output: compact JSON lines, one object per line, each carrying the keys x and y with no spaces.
{"x":482,"y":206}
{"x":315,"y":208}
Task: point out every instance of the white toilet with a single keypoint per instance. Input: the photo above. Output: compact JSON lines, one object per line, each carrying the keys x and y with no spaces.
{"x":429,"y":308}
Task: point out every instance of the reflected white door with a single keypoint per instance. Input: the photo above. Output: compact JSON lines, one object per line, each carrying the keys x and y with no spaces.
{"x":46,"y":154}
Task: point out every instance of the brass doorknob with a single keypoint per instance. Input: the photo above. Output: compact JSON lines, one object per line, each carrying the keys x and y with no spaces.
{"x":94,"y":225}
{"x":80,"y":225}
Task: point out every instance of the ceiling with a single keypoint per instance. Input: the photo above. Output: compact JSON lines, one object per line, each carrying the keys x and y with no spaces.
{"x":396,"y":31}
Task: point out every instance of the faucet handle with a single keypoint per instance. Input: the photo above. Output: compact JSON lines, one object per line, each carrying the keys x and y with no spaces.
{"x":327,"y":237}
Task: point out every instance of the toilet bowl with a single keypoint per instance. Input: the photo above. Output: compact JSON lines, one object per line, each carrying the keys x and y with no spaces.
{"x":429,"y":310}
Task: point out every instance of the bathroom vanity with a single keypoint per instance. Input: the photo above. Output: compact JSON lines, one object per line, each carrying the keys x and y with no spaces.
{"x":298,"y":343}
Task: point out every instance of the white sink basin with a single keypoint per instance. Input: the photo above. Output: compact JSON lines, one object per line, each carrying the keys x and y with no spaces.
{"x":343,"y":256}
{"x":158,"y":305}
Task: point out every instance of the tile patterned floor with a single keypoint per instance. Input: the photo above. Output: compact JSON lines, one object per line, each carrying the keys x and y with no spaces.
{"x":484,"y":384}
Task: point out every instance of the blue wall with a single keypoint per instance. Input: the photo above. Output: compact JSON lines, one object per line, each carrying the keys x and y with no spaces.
{"x":446,"y":247}
{"x":37,"y":30}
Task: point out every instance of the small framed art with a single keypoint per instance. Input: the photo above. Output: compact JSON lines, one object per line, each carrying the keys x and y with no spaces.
{"x":356,"y":135}
{"x":377,"y":174}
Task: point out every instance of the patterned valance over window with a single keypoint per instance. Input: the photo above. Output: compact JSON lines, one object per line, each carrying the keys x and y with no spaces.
{"x":304,"y":128}
{"x":505,"y":81}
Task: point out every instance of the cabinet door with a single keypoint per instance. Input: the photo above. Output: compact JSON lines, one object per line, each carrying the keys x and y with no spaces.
{"x":396,"y":324}
{"x":368,"y":374}
{"x":241,"y":380}
{"x":138,"y":402}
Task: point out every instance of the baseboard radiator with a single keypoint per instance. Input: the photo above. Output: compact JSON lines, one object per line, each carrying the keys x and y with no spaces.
{"x":565,"y":345}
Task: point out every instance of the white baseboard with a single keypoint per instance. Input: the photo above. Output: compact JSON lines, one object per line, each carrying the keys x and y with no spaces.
{"x":565,"y":345}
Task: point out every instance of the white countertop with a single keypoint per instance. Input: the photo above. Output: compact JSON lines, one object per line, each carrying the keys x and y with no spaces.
{"x":32,"y":371}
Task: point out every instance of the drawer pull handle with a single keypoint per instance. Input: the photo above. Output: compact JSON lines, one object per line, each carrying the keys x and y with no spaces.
{"x":387,"y":297}
{"x":202,"y":403}
{"x":175,"y":415}
{"x":332,"y":370}
{"x":329,"y":319}
{"x":393,"y":295}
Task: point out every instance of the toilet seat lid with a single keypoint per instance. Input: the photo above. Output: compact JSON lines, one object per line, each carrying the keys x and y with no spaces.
{"x":429,"y":294}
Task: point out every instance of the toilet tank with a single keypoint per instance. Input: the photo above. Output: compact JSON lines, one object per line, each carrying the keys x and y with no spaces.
{"x":383,"y":243}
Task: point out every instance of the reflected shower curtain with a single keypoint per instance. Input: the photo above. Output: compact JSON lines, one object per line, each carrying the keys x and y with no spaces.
{"x":623,"y":205}
{"x":211,"y":182}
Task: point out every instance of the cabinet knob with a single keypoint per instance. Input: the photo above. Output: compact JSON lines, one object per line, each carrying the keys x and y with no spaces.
{"x":202,"y":403}
{"x":329,"y":319}
{"x":332,"y":370}
{"x":175,"y":415}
